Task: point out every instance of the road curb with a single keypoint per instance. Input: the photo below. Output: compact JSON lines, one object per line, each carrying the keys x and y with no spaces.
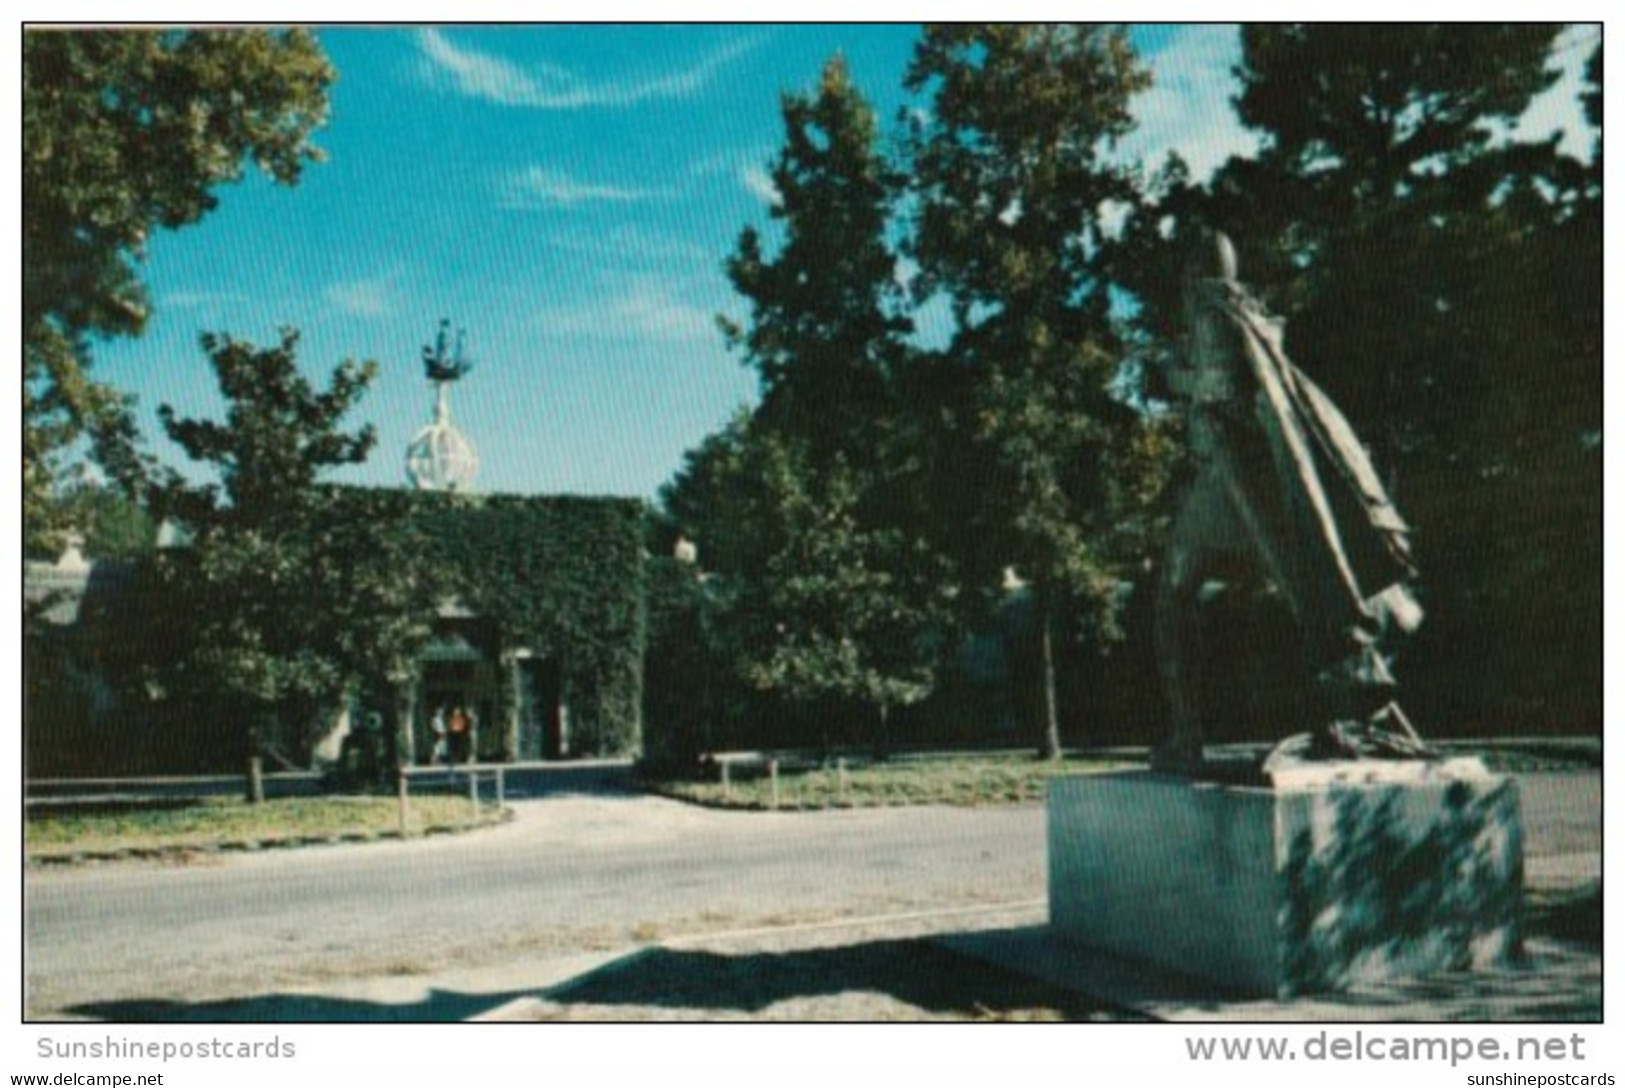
{"x":185,"y":854}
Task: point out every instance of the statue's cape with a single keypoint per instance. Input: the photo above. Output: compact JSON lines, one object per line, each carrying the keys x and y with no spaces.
{"x":1370,"y":542}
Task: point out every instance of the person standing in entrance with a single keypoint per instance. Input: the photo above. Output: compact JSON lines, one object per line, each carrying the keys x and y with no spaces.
{"x":458,"y":726}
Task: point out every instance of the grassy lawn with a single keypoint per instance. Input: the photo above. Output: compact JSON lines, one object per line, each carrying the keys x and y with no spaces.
{"x":214,"y":823}
{"x":982,"y":779}
{"x":995,"y":778}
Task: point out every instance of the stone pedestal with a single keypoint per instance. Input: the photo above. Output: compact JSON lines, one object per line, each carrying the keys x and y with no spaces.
{"x":1327,"y":881}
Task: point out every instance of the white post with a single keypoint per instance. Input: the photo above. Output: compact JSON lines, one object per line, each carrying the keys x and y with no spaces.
{"x":402,"y":814}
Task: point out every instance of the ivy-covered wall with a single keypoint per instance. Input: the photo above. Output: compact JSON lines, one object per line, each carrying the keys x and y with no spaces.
{"x":562,"y":576}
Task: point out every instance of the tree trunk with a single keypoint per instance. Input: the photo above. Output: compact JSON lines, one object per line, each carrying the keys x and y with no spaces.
{"x":1051,"y":746}
{"x":254,"y":793}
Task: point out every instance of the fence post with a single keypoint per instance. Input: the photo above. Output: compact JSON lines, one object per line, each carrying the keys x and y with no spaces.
{"x":773,"y":782}
{"x":256,"y":780}
{"x":474,"y":791}
{"x":401,"y":802}
{"x":501,"y":800}
{"x":727,"y":783}
{"x":840,"y":781}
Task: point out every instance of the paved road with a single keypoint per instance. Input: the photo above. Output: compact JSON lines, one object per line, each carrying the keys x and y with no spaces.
{"x":570,"y":874}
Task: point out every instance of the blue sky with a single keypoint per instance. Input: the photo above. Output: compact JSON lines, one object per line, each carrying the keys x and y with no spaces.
{"x":568,"y":195}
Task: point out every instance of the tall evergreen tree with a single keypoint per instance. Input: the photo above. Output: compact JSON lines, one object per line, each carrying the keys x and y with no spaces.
{"x":1383,"y":166}
{"x":1442,"y":280}
{"x":825,"y":334}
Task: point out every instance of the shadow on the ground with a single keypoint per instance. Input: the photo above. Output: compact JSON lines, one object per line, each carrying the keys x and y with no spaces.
{"x":1561,"y":982}
{"x":1557,"y":979}
{"x":913,"y":972}
{"x":437,"y":1006}
{"x":1573,"y":914}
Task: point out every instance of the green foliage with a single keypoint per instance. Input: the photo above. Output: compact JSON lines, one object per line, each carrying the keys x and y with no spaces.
{"x":817,"y":592}
{"x":289,"y":594}
{"x":1438,"y":276}
{"x":562,"y":576}
{"x":1010,"y":169}
{"x":114,"y":525}
{"x":825,"y":333}
{"x":690,"y":696}
{"x":295,"y":592}
{"x":712,"y":500}
{"x":1013,"y":190}
{"x":126,"y":132}
{"x":842,"y":608}
{"x":1384,"y":181}
{"x":371,"y":567}
{"x":1442,"y":281}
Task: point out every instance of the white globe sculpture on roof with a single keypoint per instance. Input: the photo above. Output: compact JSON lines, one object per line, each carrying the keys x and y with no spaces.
{"x":440,"y":457}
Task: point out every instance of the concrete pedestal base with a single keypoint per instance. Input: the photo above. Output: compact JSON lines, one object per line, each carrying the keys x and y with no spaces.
{"x":1321,"y":884}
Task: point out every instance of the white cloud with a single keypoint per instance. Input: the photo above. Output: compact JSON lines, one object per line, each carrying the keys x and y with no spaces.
{"x":541,"y":187}
{"x":372,"y":297}
{"x":1188,"y":107}
{"x":746,"y":166}
{"x":637,"y":308}
{"x":760,"y":183}
{"x":653,"y":312}
{"x":486,"y":76}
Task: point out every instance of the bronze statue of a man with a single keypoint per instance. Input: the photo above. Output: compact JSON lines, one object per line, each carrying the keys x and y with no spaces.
{"x":1282,"y":482}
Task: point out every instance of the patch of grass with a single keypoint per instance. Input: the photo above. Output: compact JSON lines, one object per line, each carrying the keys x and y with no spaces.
{"x":970,"y":780}
{"x":218,"y":823}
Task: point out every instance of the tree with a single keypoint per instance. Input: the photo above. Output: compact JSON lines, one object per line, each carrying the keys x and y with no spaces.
{"x":843,"y":609}
{"x":113,"y":525}
{"x":375,"y":586}
{"x":1383,"y":173}
{"x":802,"y":508}
{"x":825,"y":335}
{"x":1441,"y":279}
{"x":714,"y":502}
{"x":1013,"y":196}
{"x":126,"y":132}
{"x":293,"y":591}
